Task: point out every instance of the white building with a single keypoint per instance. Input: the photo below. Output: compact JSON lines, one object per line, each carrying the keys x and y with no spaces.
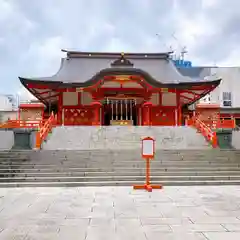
{"x":8,"y":107}
{"x":227,"y":94}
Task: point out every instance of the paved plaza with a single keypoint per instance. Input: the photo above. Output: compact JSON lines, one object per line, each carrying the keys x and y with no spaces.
{"x":120,"y":213}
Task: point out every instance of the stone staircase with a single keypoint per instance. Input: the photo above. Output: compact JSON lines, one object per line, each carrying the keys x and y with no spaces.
{"x":110,"y":156}
{"x":123,"y":137}
{"x":104,"y":167}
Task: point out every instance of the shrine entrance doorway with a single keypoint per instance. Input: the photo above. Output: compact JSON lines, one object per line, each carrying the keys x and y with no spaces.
{"x":119,"y":112}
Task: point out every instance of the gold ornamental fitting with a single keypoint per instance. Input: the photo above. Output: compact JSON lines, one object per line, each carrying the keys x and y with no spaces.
{"x":122,"y":78}
{"x":164,"y":90}
{"x":79,"y":89}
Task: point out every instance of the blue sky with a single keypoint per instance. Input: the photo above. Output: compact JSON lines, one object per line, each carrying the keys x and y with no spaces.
{"x":32,"y":32}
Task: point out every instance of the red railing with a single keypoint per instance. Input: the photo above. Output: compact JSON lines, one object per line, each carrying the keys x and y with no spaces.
{"x":22,"y":124}
{"x":224,"y":123}
{"x":44,"y":130}
{"x":206,"y":131}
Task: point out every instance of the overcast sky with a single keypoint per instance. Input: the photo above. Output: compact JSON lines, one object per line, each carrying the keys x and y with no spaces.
{"x":32,"y":32}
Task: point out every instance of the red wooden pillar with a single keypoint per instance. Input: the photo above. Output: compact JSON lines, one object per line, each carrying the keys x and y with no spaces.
{"x":60,"y":108}
{"x":179,"y":109}
{"x":146,"y":114}
{"x":96,"y":113}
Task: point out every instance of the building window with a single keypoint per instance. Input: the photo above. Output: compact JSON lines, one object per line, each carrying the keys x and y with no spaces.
{"x":227,"y":99}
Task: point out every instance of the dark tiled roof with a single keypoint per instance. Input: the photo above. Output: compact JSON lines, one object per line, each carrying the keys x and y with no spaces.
{"x":83,"y":68}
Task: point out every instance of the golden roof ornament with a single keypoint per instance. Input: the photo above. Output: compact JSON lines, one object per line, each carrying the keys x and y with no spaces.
{"x":122,"y":61}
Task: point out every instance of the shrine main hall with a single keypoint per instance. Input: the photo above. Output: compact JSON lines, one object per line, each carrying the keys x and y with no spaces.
{"x":96,"y":88}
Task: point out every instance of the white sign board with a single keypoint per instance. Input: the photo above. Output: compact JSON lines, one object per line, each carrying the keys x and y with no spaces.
{"x":147,"y":148}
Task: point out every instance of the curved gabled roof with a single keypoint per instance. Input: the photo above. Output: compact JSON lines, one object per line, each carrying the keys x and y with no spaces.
{"x":118,"y":71}
{"x":82,"y":67}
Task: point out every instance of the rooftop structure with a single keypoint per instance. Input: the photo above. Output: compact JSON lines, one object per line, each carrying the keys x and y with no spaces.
{"x":115,"y":87}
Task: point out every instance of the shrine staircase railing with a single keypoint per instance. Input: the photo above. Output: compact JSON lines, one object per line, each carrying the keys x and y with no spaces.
{"x":209,"y":134}
{"x":44,"y":130}
{"x":10,"y":124}
{"x":208,"y":128}
{"x":226,"y":123}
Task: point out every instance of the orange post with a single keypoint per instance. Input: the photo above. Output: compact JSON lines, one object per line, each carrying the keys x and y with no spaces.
{"x":147,"y":171}
{"x":214,"y":140}
{"x":148,"y":151}
{"x":38,"y":140}
{"x":147,"y":186}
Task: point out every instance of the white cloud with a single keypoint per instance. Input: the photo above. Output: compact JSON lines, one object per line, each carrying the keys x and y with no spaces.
{"x":46,"y":54}
{"x":24,"y":94}
{"x":233,"y":59}
{"x":209,"y":3}
{"x":32,"y":33}
{"x":116,"y":45}
{"x":6,"y":9}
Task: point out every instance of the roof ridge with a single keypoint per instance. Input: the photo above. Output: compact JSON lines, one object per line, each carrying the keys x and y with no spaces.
{"x":72,"y":53}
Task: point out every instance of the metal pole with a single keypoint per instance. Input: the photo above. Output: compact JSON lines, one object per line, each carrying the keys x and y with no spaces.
{"x":131,"y":102}
{"x":116,"y":103}
{"x":126,"y":102}
{"x":121,"y":109}
{"x":112,"y":110}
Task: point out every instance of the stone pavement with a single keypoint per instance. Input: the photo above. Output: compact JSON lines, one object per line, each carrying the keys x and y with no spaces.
{"x":120,"y":213}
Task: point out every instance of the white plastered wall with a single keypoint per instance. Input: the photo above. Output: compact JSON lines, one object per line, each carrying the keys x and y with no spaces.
{"x":169,"y":99}
{"x":70,"y":98}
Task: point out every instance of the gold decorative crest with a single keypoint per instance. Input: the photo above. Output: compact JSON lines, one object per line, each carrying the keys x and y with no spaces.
{"x":122,"y":78}
{"x":79,"y":89}
{"x":164,"y":89}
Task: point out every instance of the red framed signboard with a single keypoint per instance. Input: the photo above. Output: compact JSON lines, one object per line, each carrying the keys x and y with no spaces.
{"x":148,"y":148}
{"x":148,"y":152}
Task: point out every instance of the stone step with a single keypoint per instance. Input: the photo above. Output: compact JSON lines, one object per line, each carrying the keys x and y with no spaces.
{"x":104,"y":162}
{"x":123,"y":173}
{"x":124,"y":153}
{"x":89,"y":151}
{"x":118,"y":155}
{"x":114,"y":161}
{"x":114,"y":183}
{"x":119,"y":161}
{"x":118,"y":178}
{"x":117,"y":166}
{"x":120,"y":169}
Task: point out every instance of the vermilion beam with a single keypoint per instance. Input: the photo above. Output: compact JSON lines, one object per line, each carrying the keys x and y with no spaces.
{"x":139,"y":90}
{"x":190,"y":92}
{"x":51,"y":96}
{"x":188,"y":98}
{"x":41,"y":93}
{"x":38,"y":86}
